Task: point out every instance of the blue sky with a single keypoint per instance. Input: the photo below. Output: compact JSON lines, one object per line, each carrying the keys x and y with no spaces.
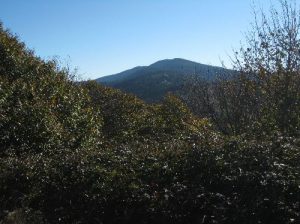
{"x":102,"y":37}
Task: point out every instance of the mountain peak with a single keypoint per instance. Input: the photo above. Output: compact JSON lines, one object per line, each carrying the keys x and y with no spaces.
{"x":152,"y":82}
{"x":173,"y":60}
{"x":176,"y":64}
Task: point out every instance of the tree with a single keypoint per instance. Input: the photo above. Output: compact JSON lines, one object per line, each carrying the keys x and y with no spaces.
{"x":264,"y":96}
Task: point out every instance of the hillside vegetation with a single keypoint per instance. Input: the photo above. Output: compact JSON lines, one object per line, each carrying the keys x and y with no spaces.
{"x":151,"y":83}
{"x":223,"y":152}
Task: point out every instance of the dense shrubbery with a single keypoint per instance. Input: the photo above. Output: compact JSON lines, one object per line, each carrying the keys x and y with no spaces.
{"x":83,"y":153}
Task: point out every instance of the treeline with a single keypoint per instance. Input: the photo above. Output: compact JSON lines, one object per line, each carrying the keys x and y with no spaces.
{"x":75,"y":152}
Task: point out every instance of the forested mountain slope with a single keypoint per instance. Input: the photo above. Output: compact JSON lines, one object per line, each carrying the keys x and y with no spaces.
{"x":151,"y":83}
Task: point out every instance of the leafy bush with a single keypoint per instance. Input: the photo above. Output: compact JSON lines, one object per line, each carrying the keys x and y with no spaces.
{"x":83,"y":153}
{"x":40,"y":107}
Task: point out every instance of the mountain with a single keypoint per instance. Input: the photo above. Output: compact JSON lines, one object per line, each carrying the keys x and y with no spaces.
{"x":152,"y":82}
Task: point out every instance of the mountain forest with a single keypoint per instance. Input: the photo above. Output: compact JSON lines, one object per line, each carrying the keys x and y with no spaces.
{"x":222,"y":149}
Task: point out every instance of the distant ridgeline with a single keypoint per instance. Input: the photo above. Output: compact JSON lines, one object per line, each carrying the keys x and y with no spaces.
{"x":151,"y":83}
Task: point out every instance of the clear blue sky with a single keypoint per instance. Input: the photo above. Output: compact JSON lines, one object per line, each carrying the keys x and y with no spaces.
{"x":102,"y":37}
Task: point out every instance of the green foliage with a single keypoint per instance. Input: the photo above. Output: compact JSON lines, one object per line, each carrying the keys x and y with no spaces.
{"x":127,"y":118}
{"x":172,"y":182}
{"x":42,"y":112}
{"x":41,"y":108}
{"x":83,"y":153}
{"x":122,"y":113}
